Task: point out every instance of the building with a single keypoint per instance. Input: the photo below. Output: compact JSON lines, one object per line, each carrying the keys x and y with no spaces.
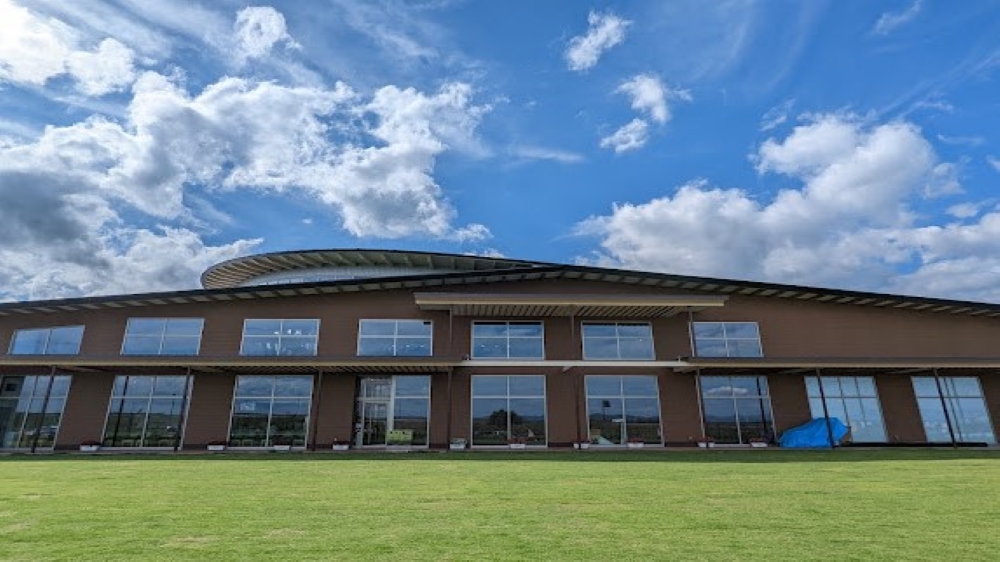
{"x":376,"y":348}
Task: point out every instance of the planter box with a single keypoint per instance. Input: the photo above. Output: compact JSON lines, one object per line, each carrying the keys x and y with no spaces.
{"x":581,"y":446}
{"x":216,"y":448}
{"x":457,"y":446}
{"x":635,"y":445}
{"x":341,"y":446}
{"x":89,"y":448}
{"x":758,"y":445}
{"x":518,"y":445}
{"x":705,"y":445}
{"x":281,"y":448}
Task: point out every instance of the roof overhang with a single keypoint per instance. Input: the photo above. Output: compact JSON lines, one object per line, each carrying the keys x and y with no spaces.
{"x":542,"y":305}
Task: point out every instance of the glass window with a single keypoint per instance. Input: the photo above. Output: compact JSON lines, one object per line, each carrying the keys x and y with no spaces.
{"x":623,"y":408}
{"x":147,"y":411}
{"x":619,"y":341}
{"x":962,"y":405}
{"x":395,"y":338}
{"x":726,"y":339}
{"x":736,"y":409}
{"x":507,"y":408}
{"x":270,"y":410}
{"x":162,"y":336}
{"x":508,"y":340}
{"x":853,"y":400}
{"x":30,"y":410}
{"x":279,"y":337}
{"x":63,"y":340}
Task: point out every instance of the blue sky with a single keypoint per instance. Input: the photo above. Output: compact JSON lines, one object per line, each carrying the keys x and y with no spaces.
{"x":847,"y":144}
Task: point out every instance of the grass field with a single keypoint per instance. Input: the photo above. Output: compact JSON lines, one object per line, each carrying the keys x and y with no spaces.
{"x":640,"y":505}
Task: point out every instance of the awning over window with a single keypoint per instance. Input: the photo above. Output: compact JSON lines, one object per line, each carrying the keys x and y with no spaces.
{"x":535,"y":305}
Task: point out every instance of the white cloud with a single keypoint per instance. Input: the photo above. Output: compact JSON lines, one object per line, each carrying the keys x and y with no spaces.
{"x":889,"y":21}
{"x":776,"y":116}
{"x":848,"y":224}
{"x":542,"y":153}
{"x":962,"y":141}
{"x":35,"y":49}
{"x":963,"y":210}
{"x":258,"y":30}
{"x":649,"y":95}
{"x":994,"y":162}
{"x":631,"y":136}
{"x":604,"y":32}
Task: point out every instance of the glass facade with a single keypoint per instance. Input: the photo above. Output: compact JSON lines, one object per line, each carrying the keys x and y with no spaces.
{"x":726,"y":339}
{"x":960,"y":402}
{"x":395,"y":338}
{"x":508,"y":340}
{"x":64,"y":340}
{"x":279,"y":337}
{"x":270,"y":410}
{"x":625,"y":341}
{"x":162,"y":336}
{"x":508,"y":409}
{"x":623,"y":409}
{"x":30,"y":410}
{"x":736,"y":410}
{"x":147,"y":411}
{"x":852,"y":400}
{"x":393,"y":410}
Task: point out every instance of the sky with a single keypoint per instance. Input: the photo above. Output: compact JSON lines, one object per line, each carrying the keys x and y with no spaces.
{"x":851,"y":144}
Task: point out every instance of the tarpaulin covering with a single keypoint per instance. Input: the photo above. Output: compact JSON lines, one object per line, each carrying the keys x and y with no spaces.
{"x":814,"y":434}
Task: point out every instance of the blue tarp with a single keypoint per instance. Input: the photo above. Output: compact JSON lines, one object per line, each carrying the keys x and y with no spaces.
{"x":814,"y":434}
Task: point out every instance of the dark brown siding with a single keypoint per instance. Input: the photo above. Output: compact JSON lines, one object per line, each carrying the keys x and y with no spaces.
{"x":789,"y":401}
{"x":209,"y":410}
{"x":335,"y":410}
{"x":679,"y":405}
{"x":899,"y":409}
{"x":86,"y":409}
{"x":991,"y":393}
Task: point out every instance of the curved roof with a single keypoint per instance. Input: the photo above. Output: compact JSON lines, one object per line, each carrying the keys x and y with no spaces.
{"x":241,"y":271}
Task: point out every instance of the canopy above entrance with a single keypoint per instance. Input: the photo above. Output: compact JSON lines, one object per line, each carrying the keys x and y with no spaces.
{"x":535,"y":305}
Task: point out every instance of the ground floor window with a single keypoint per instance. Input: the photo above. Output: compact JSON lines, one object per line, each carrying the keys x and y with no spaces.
{"x":960,"y":402}
{"x":623,"y":409}
{"x":736,"y":410}
{"x":508,"y":409}
{"x":30,"y":410}
{"x":270,"y":410}
{"x":852,"y":400}
{"x":147,"y":411}
{"x":392,"y":410}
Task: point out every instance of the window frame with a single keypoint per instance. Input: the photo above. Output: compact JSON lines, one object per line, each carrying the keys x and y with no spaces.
{"x":268,"y":437}
{"x":943,"y":393}
{"x":507,"y":339}
{"x":280,"y":336}
{"x":48,"y":339}
{"x":623,"y":397}
{"x":395,"y":337}
{"x":508,"y":396}
{"x":733,"y":396}
{"x":163,"y":336}
{"x":725,"y":339}
{"x":822,"y":396}
{"x":185,"y":400}
{"x":47,"y":398}
{"x":618,"y":341}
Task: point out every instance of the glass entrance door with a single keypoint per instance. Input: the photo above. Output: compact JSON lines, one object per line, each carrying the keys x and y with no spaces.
{"x":392,"y":410}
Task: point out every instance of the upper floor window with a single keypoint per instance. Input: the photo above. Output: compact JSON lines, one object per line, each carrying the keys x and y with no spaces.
{"x":64,"y":340}
{"x":395,"y":338}
{"x":726,"y":339}
{"x":618,"y":341}
{"x":279,"y":337}
{"x":508,"y":340}
{"x":162,"y":336}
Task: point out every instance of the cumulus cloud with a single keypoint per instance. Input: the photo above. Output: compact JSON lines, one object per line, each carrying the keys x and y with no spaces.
{"x":889,"y":21}
{"x":604,"y":32}
{"x":847,"y":222}
{"x":258,"y":30}
{"x":34,"y":50}
{"x":631,"y":136}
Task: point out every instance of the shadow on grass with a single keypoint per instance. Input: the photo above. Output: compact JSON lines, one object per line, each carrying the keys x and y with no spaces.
{"x":740,"y":456}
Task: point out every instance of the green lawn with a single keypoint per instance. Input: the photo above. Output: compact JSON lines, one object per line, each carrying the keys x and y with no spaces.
{"x":637,"y":505}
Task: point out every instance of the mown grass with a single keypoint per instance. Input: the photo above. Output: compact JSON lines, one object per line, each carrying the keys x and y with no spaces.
{"x":639,"y":505}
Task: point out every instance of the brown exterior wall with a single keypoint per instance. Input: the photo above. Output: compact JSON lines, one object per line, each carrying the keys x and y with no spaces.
{"x":899,"y":409}
{"x":789,"y":401}
{"x":334,"y":410}
{"x":209,"y":410}
{"x":680,"y":411}
{"x":991,"y":393}
{"x":86,"y":409}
